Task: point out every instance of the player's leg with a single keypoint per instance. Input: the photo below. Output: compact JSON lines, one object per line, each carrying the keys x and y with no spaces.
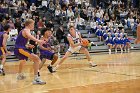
{"x":68,"y":53}
{"x":41,"y":65}
{"x":24,"y":55}
{"x":36,"y":61}
{"x":3,"y":60}
{"x":54,"y":59}
{"x":20,"y":75}
{"x":86,"y":52}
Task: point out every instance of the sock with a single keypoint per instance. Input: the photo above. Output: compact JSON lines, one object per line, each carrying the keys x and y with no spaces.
{"x":55,"y":68}
{"x":1,"y":66}
{"x":90,"y":62}
{"x":36,"y":77}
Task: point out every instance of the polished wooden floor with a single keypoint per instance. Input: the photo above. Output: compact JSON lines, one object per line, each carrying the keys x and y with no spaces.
{"x":115,"y":73}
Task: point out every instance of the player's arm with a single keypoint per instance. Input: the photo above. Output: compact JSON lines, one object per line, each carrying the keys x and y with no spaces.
{"x":28,"y":34}
{"x":5,"y":37}
{"x":80,"y":36}
{"x":29,"y":46}
{"x":72,"y":43}
{"x":43,"y":48}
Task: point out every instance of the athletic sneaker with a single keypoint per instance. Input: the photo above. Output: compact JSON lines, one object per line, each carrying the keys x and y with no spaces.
{"x":93,"y":64}
{"x":2,"y":72}
{"x":21,"y":76}
{"x":38,"y":81}
{"x":50,"y":68}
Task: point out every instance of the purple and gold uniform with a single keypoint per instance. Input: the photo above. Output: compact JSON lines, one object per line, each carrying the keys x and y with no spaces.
{"x":46,"y":53}
{"x":21,"y":52}
{"x":2,"y":51}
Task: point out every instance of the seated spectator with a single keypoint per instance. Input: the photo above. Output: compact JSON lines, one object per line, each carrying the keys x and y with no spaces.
{"x":16,"y":14}
{"x":50,"y":24}
{"x":80,"y":22}
{"x":33,"y":8}
{"x":11,"y":24}
{"x":25,"y":15}
{"x":70,"y":13}
{"x":40,"y":24}
{"x":51,"y":7}
{"x":44,"y":5}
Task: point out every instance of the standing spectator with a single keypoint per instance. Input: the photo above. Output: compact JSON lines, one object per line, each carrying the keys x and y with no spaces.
{"x":60,"y":34}
{"x":18,"y":25}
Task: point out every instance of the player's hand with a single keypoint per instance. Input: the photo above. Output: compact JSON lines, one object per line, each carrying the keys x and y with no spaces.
{"x":8,"y":53}
{"x":41,"y":42}
{"x":49,"y":49}
{"x":31,"y":46}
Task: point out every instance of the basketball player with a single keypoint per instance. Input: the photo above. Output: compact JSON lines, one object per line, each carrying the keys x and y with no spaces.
{"x":46,"y":50}
{"x":74,"y":39}
{"x":23,"y":54}
{"x":3,"y":48}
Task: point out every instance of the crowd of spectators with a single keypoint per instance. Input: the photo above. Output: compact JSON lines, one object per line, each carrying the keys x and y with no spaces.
{"x":104,"y":20}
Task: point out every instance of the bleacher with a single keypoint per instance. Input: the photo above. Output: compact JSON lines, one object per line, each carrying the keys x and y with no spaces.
{"x":99,"y":47}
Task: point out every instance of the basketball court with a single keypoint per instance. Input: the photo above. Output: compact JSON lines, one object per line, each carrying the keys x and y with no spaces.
{"x":115,"y":73}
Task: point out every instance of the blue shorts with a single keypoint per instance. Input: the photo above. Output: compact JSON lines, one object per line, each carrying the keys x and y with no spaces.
{"x":22,"y":54}
{"x":47,"y":55}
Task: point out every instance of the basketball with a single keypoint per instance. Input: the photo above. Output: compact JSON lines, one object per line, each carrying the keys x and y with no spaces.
{"x":85,"y":42}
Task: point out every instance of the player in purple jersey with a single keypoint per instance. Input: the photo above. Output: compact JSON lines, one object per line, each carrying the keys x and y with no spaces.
{"x":22,"y":53}
{"x":46,"y":50}
{"x":3,"y":48}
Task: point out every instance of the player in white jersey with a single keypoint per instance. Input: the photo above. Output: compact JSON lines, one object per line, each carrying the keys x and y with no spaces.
{"x":74,"y":39}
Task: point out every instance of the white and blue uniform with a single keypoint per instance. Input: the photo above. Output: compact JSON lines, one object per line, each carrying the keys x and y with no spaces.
{"x":109,"y":40}
{"x":126,"y":40}
{"x":76,"y":40}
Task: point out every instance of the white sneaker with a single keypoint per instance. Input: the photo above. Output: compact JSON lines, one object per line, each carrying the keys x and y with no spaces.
{"x":125,"y":50}
{"x":128,"y":50}
{"x":21,"y":76}
{"x":121,"y":51}
{"x":109,"y":51}
{"x":92,"y":64}
{"x":38,"y":81}
{"x":115,"y":50}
